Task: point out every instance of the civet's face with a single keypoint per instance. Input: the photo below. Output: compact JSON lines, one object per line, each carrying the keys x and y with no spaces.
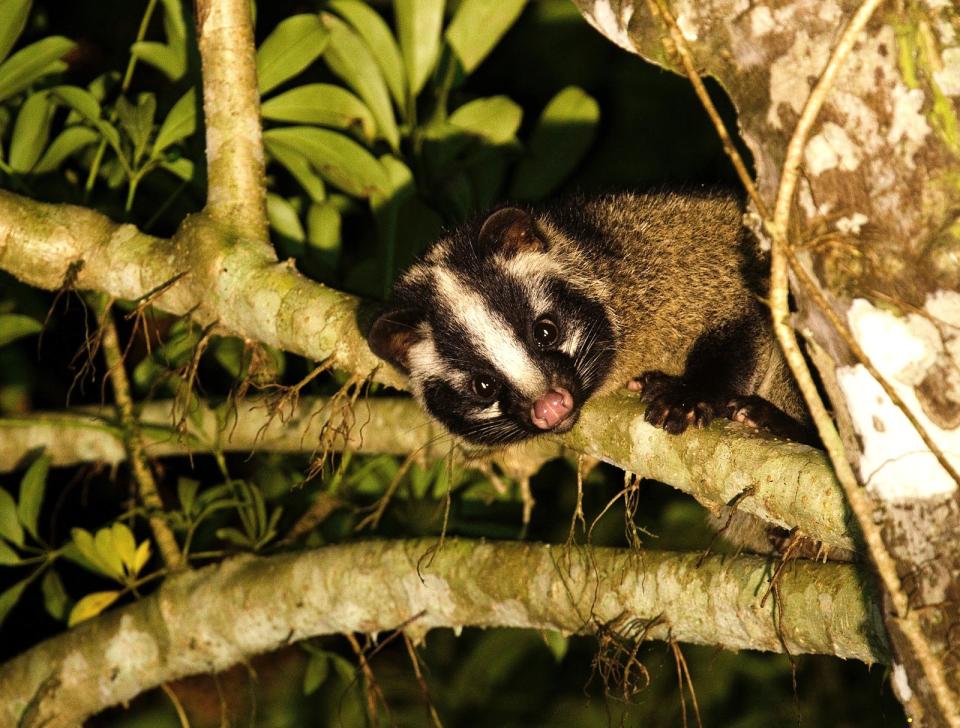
{"x":498,"y":345}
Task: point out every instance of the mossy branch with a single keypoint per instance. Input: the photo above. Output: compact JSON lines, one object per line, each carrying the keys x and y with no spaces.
{"x":208,"y":620}
{"x":788,"y":484}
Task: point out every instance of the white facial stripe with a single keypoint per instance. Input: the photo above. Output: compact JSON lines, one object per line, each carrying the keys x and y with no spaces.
{"x":574,"y":337}
{"x":425,"y":360}
{"x":493,"y":336}
{"x":488,"y":413}
{"x":529,"y":264}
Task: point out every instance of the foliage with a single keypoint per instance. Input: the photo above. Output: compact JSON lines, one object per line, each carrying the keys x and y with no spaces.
{"x":382,"y":125}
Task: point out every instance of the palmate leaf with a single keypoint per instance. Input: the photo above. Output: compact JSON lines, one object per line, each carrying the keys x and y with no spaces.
{"x":375,"y":32}
{"x":321,"y":103}
{"x":68,"y":142}
{"x":350,"y":59}
{"x":477,"y":27}
{"x":168,"y":59}
{"x":32,"y":487}
{"x":293,"y":45}
{"x":13,"y":19}
{"x":10,"y":527}
{"x":339,"y":159}
{"x":10,"y":597}
{"x":564,"y":133}
{"x":418,"y":27}
{"x":30,"y":132}
{"x":31,"y":63}
{"x":495,"y":118}
{"x":180,"y":122}
{"x":299,"y":167}
{"x":91,"y":605}
{"x":14,"y":326}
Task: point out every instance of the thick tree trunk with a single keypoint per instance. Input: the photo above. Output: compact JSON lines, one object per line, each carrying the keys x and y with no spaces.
{"x":875,"y":241}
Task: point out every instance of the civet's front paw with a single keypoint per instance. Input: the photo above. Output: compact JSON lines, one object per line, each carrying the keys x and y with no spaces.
{"x":671,"y":403}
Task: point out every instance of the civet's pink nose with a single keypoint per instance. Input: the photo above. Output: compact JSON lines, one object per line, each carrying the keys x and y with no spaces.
{"x":551,"y":409}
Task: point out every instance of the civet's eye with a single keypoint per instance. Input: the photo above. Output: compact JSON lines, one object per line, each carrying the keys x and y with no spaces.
{"x":545,"y":332}
{"x":484,"y":386}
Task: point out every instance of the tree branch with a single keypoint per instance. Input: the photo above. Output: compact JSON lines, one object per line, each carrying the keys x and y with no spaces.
{"x":208,"y":620}
{"x":788,"y":484}
{"x":239,"y":287}
{"x":236,"y":182}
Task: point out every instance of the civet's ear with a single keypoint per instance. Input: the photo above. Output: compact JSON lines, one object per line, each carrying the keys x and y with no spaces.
{"x":392,"y":335}
{"x":509,"y":231}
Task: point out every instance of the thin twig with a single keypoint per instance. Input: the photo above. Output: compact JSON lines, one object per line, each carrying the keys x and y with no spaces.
{"x":133,"y":440}
{"x":860,"y":502}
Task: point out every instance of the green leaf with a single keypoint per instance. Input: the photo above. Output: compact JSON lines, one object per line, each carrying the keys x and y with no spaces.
{"x":180,"y":123}
{"x":293,"y":45}
{"x":187,"y":487}
{"x":564,"y":133}
{"x":137,"y":121}
{"x":495,"y":118}
{"x":418,"y":27}
{"x":31,"y":132}
{"x":323,"y":232}
{"x":376,"y":34}
{"x":107,"y":551}
{"x":89,"y":554}
{"x":284,"y":219}
{"x":318,"y":668}
{"x":557,"y":644}
{"x":70,"y":141}
{"x":141,"y":557}
{"x":232,"y":535}
{"x":10,"y":527}
{"x":477,"y":26}
{"x":174,"y":24}
{"x":339,"y":159}
{"x":31,"y":63}
{"x":55,"y":597}
{"x":168,"y":59}
{"x":124,"y":544}
{"x":14,"y":326}
{"x":298,"y":166}
{"x":182,"y":168}
{"x":350,"y":59}
{"x":11,"y":596}
{"x":32,"y":485}
{"x":13,"y":19}
{"x":91,"y":605}
{"x":86,"y":104}
{"x":323,"y":104}
{"x":8,"y":557}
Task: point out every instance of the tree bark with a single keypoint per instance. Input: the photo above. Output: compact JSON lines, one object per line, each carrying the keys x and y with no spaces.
{"x":874,"y":239}
{"x":207,"y":620}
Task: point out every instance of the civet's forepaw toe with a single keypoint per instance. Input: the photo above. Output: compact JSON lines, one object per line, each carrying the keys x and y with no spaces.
{"x":756,"y":412}
{"x":671,"y":403}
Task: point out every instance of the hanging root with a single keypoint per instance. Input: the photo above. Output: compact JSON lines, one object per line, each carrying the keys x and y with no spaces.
{"x":684,"y":680}
{"x":619,"y":641}
{"x":372,"y":520}
{"x":337,"y":431}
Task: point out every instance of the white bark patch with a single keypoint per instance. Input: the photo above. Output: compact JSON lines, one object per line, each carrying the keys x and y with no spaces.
{"x":895,"y":463}
{"x":604,"y":19}
{"x":761,"y":21}
{"x":909,"y":128}
{"x":687,"y":27}
{"x":130,"y":654}
{"x":901,"y":685}
{"x":792,"y":74}
{"x":832,"y":148}
{"x":948,"y":77}
{"x":851,"y":225}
